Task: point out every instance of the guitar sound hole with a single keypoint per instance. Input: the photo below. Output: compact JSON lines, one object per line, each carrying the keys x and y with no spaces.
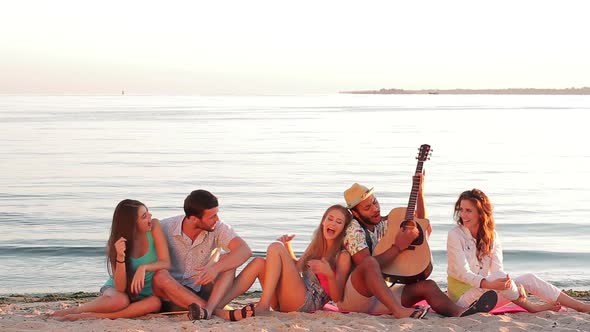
{"x":420,"y":239}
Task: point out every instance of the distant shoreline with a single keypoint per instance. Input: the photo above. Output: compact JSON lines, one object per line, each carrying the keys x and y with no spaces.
{"x":511,"y":91}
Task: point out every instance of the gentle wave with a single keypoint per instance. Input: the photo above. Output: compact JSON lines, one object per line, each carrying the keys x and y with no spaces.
{"x":509,"y":255}
{"x":277,"y":162}
{"x":438,"y":255}
{"x":48,"y":251}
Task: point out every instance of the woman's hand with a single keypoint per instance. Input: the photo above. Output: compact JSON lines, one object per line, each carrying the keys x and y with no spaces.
{"x":120,"y":248}
{"x":522,"y":295}
{"x":286,"y":238}
{"x":320,"y":266}
{"x":138,"y":280}
{"x":497,"y":284}
{"x":286,"y":241}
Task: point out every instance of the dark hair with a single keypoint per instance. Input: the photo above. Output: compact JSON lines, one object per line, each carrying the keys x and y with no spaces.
{"x":124,"y":225}
{"x":485,"y":233}
{"x":198,"y":201}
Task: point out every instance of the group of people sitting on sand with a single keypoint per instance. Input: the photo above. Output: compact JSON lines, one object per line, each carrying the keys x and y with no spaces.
{"x":188,"y":262}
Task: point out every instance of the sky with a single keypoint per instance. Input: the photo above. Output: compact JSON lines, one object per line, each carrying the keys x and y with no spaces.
{"x":289,"y":47}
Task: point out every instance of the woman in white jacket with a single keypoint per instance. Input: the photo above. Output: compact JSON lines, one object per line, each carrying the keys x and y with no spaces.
{"x":475,"y":262}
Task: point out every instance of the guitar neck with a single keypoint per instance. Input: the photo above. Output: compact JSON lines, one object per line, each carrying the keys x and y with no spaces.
{"x":414,"y":193}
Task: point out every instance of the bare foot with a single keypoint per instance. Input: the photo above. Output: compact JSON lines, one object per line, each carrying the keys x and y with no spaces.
{"x":262,"y":310}
{"x":533,"y":307}
{"x":555,"y":306}
{"x":84,"y":315}
{"x":61,"y":313}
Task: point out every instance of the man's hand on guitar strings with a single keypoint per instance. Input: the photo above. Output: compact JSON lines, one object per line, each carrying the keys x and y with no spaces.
{"x":405,"y":237}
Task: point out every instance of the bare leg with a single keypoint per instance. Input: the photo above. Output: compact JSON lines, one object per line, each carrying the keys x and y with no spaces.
{"x":428,"y":290}
{"x":282,"y":277}
{"x":221,"y":286}
{"x":567,"y":301}
{"x":274,"y":302}
{"x":245,"y":280}
{"x":549,"y":293}
{"x":135,"y":309}
{"x":368,"y":281}
{"x":112,"y":300}
{"x":165,"y":287}
{"x":532,"y":307}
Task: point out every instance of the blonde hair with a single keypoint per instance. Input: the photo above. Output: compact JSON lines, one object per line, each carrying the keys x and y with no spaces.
{"x":318,"y":248}
{"x":485,"y":233}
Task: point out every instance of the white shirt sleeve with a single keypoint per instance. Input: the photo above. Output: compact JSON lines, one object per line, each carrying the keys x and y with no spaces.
{"x":458,"y":265}
{"x":497,"y":255}
{"x":225,"y":233}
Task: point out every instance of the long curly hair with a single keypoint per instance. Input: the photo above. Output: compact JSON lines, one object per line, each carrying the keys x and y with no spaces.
{"x":318,"y":247}
{"x":485,"y":233}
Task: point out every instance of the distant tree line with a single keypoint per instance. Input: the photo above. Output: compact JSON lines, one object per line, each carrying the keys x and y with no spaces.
{"x":512,"y":91}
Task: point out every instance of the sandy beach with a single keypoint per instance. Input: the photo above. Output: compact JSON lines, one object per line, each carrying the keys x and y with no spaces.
{"x":25,"y":313}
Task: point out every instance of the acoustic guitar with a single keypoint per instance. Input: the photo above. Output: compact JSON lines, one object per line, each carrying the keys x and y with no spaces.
{"x":415,"y":263}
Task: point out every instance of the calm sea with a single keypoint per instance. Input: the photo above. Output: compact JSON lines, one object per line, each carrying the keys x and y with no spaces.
{"x":276,"y":163}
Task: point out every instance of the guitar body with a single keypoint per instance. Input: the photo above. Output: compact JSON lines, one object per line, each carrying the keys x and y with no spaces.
{"x":413,"y":264}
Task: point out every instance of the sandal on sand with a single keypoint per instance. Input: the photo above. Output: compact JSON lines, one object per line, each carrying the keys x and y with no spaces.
{"x":485,"y":303}
{"x":195,"y":312}
{"x":420,"y":312}
{"x":244,"y":312}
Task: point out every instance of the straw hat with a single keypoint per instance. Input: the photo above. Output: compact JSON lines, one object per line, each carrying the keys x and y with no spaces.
{"x":356,"y":194}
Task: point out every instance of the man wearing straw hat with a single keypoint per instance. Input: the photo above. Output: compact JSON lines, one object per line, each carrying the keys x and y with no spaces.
{"x":361,"y":292}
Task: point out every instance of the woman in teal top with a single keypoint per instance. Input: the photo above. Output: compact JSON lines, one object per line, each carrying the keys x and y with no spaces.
{"x":137,"y":244}
{"x":150,"y":257}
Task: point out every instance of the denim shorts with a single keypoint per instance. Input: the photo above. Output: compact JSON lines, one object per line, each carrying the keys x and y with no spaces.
{"x":315,"y":296}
